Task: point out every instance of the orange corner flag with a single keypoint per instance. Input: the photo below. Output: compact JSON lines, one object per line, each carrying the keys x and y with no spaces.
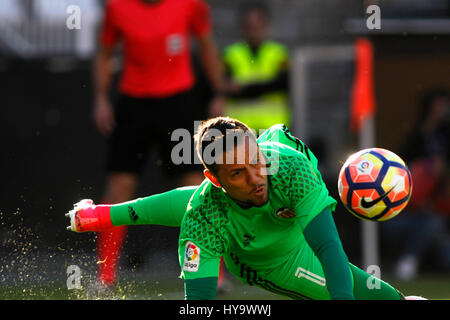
{"x":362,"y":104}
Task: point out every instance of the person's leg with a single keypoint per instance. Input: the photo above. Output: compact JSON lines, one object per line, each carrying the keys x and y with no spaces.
{"x":402,"y":232}
{"x":127,"y":151}
{"x":299,"y":277}
{"x":302,"y":277}
{"x":423,"y":230}
{"x":120,"y":187}
{"x":301,"y":282}
{"x":223,"y":283}
{"x":444,"y":248}
{"x":178,"y":156}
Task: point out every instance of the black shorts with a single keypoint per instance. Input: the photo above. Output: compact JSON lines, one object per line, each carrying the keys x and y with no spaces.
{"x":144,"y":123}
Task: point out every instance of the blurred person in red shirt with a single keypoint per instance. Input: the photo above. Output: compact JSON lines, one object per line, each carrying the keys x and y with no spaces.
{"x":154,"y":98}
{"x":424,"y":224}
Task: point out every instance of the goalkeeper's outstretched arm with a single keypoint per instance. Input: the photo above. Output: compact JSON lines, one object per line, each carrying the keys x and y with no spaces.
{"x":165,"y":209}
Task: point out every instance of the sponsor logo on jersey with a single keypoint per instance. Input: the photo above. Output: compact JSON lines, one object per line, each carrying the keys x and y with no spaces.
{"x":285,"y":213}
{"x":303,"y":273}
{"x":191,"y":257}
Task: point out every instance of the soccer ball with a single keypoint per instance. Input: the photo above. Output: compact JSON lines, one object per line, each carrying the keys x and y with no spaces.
{"x":375,"y":184}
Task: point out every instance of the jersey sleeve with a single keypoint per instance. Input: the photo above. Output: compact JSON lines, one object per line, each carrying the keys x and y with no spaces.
{"x":109,"y":33}
{"x":323,"y":238}
{"x":165,"y":209}
{"x":200,"y":244}
{"x":203,"y":238}
{"x":197,"y":261}
{"x":200,"y":288}
{"x":200,"y":18}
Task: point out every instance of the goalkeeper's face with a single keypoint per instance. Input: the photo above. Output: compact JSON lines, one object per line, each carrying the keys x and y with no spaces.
{"x":242,"y":174}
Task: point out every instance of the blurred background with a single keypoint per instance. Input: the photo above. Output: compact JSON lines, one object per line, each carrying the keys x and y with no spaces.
{"x":52,"y":155}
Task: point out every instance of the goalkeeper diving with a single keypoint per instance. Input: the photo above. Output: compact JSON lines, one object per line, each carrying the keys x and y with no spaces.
{"x":263,"y":207}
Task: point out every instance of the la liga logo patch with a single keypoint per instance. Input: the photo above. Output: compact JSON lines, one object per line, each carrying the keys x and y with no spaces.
{"x":191,"y":257}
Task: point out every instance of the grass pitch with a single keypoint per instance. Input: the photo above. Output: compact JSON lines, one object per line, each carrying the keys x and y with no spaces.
{"x":430,"y":287}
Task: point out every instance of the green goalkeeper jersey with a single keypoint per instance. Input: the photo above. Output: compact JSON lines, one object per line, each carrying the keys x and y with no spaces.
{"x":258,"y":238}
{"x":289,"y":246}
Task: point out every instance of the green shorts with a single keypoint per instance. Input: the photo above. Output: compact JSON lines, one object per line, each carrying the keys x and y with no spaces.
{"x":301,"y":279}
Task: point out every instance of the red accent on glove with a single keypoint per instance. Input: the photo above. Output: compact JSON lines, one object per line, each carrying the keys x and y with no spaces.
{"x":94,"y":218}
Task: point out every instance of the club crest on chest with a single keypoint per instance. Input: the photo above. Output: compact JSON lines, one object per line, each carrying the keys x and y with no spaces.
{"x":285,"y":213}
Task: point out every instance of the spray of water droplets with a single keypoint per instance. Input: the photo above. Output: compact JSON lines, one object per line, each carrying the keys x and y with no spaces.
{"x":31,"y":268}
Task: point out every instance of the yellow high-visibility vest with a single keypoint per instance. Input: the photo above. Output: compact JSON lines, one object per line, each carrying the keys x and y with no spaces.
{"x":246,"y":67}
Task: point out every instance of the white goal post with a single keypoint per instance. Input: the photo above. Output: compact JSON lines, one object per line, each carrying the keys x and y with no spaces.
{"x":302,"y":59}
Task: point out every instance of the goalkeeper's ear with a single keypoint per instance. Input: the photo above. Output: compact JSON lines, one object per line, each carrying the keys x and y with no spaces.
{"x":211,"y":177}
